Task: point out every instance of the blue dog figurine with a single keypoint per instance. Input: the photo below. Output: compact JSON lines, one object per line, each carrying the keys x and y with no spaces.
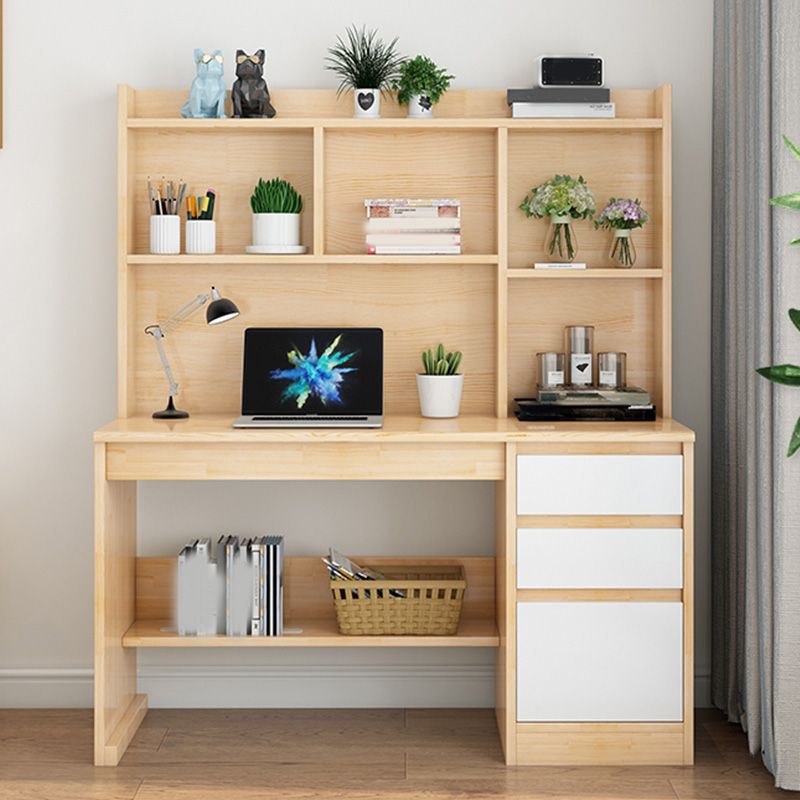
{"x":207,"y":95}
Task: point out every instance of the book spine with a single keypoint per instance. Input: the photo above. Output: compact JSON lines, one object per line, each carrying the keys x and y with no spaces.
{"x":418,"y":212}
{"x":389,"y":250}
{"x":229,"y":547}
{"x":563,"y":110}
{"x":413,"y":224}
{"x":279,"y":583}
{"x":255,"y":574}
{"x":414,"y":239}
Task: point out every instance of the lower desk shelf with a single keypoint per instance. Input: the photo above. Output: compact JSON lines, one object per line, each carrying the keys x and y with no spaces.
{"x":315,"y":633}
{"x":309,"y":607}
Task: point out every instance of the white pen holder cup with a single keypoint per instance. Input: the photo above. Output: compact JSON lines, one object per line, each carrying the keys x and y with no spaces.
{"x":165,"y":234}
{"x":201,"y":236}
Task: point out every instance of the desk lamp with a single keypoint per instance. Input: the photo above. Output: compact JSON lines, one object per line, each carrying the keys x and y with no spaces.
{"x":219,"y":310}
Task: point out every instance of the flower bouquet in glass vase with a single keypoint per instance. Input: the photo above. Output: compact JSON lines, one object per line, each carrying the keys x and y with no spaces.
{"x":562,"y":199}
{"x":621,"y":217}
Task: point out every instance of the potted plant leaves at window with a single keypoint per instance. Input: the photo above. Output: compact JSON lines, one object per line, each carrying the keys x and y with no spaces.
{"x":365,"y":64}
{"x":276,"y":207}
{"x":440,"y":385}
{"x":788,"y":374}
{"x":421,"y":85}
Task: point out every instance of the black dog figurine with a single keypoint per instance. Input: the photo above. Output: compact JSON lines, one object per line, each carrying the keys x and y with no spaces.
{"x":250,"y":95}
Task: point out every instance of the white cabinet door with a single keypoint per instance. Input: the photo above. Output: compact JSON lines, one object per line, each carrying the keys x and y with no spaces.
{"x":599,"y":662}
{"x":599,"y":558}
{"x":600,"y":484}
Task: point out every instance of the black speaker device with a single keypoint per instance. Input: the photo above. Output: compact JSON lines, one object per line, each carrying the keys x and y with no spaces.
{"x":575,"y":70}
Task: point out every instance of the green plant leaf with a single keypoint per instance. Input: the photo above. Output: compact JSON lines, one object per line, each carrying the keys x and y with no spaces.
{"x":795,"y":241}
{"x":791,"y":201}
{"x":794,"y":316}
{"x":786,"y":374}
{"x":794,"y":443}
{"x":792,"y":147}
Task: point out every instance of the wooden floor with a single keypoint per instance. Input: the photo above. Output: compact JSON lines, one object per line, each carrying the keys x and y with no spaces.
{"x":354,"y":754}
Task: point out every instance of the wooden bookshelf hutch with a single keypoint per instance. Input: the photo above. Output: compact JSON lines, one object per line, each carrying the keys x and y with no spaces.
{"x":489,"y":303}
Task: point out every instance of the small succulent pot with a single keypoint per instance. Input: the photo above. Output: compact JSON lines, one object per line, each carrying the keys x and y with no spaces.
{"x":420,"y":106}
{"x":439,"y":395}
{"x":276,"y":230}
{"x":367,"y":103}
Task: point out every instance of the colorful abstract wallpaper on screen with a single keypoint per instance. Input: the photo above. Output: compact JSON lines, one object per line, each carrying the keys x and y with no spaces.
{"x":315,"y":375}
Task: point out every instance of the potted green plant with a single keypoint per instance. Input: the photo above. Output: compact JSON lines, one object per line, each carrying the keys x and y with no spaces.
{"x":365,"y":64}
{"x":276,"y":207}
{"x":421,"y":85}
{"x":562,"y":199}
{"x":440,"y":385}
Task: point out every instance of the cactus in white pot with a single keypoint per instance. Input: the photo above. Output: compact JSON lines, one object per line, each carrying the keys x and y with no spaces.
{"x":440,"y":384}
{"x":276,"y":207}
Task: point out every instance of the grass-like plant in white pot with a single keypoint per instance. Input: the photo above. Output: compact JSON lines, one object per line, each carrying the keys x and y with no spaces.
{"x":440,"y":384}
{"x":365,"y":64}
{"x":276,"y":207}
{"x":421,"y":85}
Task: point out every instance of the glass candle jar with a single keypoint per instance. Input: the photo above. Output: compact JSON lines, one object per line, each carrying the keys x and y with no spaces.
{"x":551,"y":369}
{"x":579,"y":340}
{"x":611,"y":369}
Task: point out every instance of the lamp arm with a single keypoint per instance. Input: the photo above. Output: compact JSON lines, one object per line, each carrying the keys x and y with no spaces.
{"x":195,"y":304}
{"x":157,"y":334}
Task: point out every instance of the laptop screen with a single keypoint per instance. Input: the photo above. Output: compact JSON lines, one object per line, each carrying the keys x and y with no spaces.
{"x":302,"y":371}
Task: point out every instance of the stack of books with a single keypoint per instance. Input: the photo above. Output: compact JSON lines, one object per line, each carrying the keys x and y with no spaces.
{"x":238,"y":594}
{"x":407,"y":226}
{"x":561,"y":102}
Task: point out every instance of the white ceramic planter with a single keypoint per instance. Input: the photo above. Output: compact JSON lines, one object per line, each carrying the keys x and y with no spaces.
{"x":367,"y":103}
{"x":420,"y":106}
{"x":270,"y":230}
{"x":439,"y":395}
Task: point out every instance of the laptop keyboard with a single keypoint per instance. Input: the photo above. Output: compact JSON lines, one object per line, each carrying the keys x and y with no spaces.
{"x":306,"y":420}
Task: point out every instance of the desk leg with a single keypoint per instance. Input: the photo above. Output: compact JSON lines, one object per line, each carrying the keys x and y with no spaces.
{"x":118,"y":709}
{"x":506,"y":606}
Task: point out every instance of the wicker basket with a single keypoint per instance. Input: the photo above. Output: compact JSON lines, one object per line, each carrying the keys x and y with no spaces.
{"x":431,"y":605}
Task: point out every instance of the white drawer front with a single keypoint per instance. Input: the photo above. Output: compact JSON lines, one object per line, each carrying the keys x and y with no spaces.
{"x":600,"y":484}
{"x":597,"y":662}
{"x":599,"y":558}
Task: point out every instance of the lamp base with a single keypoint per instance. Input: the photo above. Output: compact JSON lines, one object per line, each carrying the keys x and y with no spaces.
{"x":170,"y":412}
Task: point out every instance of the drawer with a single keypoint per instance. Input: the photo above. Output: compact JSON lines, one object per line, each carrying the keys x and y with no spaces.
{"x":600,"y":484}
{"x":599,"y":558}
{"x":599,"y":662}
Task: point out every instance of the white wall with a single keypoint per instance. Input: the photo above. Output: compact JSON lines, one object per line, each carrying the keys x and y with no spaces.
{"x":57,"y":239}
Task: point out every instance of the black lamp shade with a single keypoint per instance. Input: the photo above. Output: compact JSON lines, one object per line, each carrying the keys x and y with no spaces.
{"x":221,"y":310}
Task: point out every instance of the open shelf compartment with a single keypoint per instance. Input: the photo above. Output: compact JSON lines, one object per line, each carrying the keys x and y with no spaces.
{"x":309,"y":608}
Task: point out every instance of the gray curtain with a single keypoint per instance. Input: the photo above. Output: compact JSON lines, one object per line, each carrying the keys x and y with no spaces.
{"x":755,"y":279}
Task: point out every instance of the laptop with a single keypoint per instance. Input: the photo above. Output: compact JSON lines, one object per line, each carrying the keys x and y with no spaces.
{"x":312,"y":378}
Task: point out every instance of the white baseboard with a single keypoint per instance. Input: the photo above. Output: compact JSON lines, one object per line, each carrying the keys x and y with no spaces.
{"x":46,"y":688}
{"x":276,"y":687}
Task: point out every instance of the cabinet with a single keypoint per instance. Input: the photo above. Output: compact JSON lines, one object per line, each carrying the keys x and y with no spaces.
{"x":599,"y":484}
{"x":599,"y":662}
{"x":599,"y":558}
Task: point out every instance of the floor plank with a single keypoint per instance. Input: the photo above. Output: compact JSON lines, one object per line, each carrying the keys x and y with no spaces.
{"x":356,"y":754}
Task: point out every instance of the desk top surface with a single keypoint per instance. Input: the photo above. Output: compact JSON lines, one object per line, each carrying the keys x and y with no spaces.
{"x":209,"y":428}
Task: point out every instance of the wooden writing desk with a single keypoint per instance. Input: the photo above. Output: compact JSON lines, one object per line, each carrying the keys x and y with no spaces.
{"x":588,"y":600}
{"x":132,"y":596}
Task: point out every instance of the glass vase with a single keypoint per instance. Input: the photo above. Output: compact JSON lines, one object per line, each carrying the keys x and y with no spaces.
{"x":560,"y":244}
{"x":623,"y":249}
